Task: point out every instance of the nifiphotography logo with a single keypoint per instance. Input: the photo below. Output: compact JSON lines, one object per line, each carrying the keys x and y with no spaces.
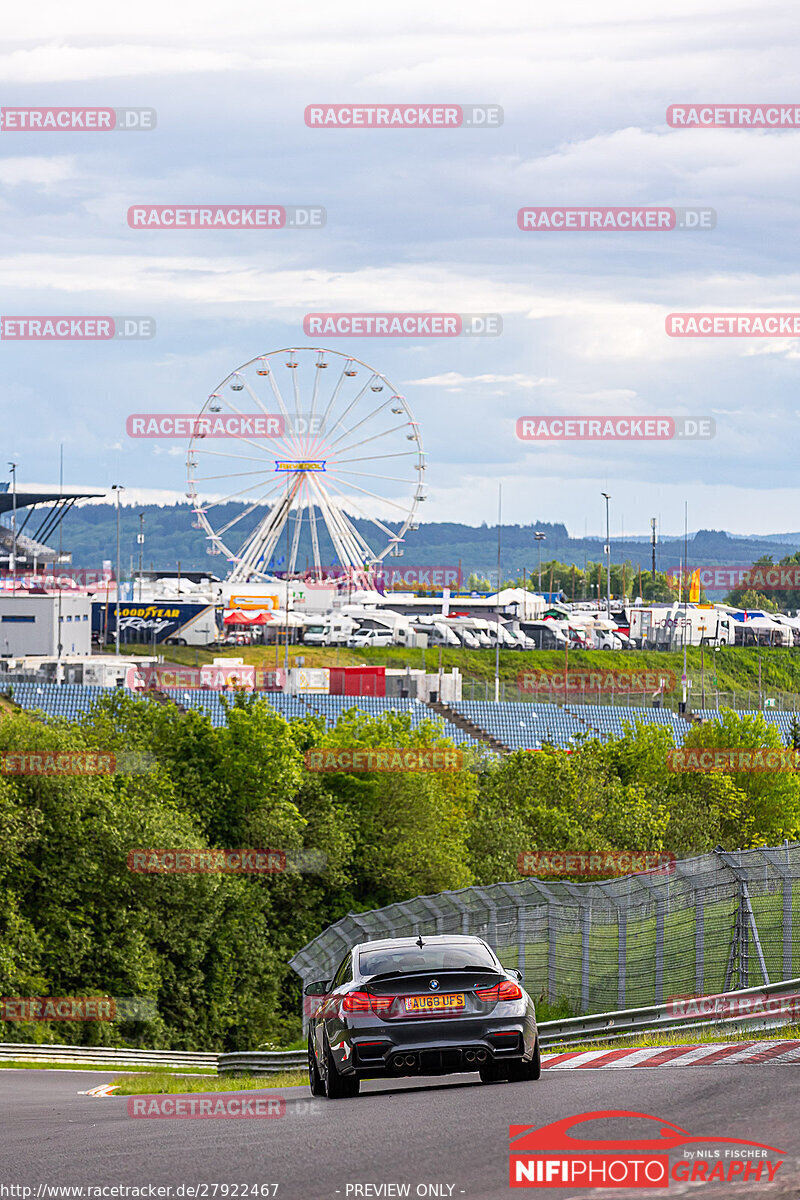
{"x":553,"y":1157}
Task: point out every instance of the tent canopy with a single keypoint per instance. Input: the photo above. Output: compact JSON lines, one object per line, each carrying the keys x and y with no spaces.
{"x":236,"y":617}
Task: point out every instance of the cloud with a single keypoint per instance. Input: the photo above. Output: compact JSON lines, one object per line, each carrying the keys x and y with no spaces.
{"x":452,"y":378}
{"x":57,"y":63}
{"x":39,"y":171}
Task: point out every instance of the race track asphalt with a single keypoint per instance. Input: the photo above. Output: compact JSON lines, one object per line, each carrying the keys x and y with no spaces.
{"x":451,"y":1132}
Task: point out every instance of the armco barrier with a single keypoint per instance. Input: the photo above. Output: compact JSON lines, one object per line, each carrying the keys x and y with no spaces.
{"x":105,"y":1055}
{"x":595,"y":1027}
{"x":260,"y":1062}
{"x":658,"y":1018}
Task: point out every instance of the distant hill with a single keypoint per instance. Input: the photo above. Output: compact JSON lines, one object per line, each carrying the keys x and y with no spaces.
{"x":90,"y":533}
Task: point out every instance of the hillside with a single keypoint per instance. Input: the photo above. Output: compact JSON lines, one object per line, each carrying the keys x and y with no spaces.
{"x":90,"y":533}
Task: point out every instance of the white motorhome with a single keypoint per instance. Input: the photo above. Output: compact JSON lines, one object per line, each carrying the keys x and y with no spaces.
{"x":332,"y":629}
{"x":497,"y":630}
{"x":385,"y":620}
{"x":605,"y":636}
{"x":478,"y":627}
{"x":439,"y":632}
{"x":465,"y":635}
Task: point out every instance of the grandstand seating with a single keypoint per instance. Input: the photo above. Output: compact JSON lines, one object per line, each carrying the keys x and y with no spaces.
{"x":609,"y":721}
{"x":519,"y":725}
{"x":329,"y":707}
{"x":68,"y":700}
{"x":522,"y":725}
{"x":782,"y":720}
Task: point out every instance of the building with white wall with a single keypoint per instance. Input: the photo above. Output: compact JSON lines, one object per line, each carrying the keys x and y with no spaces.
{"x":30,"y":624}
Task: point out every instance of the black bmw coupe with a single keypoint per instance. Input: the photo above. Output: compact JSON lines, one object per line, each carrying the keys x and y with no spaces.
{"x":419,"y":1006}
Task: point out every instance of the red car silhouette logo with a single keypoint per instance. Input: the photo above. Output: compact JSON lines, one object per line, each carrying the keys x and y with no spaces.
{"x":552,"y":1156}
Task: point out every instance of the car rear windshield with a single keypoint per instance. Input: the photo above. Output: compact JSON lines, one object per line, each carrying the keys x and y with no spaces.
{"x":407,"y":959}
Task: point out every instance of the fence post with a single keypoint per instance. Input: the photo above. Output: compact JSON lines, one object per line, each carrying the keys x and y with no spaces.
{"x":787,"y":919}
{"x":745,"y":925}
{"x":586,"y":929}
{"x":552,"y":942}
{"x":520,"y":906}
{"x":622,"y":954}
{"x":489,"y":905}
{"x":462,"y":908}
{"x":699,"y":945}
{"x":659,"y":979}
{"x":744,"y":941}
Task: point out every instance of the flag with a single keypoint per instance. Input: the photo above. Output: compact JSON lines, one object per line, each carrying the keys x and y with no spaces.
{"x":694,"y":587}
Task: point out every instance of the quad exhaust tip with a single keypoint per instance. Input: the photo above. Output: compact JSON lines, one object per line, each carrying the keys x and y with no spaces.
{"x":481,"y":1056}
{"x":469,"y":1056}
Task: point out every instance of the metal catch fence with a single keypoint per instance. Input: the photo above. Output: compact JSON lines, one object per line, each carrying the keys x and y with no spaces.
{"x":708,"y":924}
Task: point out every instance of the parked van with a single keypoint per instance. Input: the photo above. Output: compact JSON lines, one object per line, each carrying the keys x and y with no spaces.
{"x":363,"y":638}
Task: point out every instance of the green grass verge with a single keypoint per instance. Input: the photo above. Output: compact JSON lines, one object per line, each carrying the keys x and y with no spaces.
{"x":163,"y":1082}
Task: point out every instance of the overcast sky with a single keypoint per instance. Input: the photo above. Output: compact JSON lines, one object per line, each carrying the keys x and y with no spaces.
{"x":416,"y":221}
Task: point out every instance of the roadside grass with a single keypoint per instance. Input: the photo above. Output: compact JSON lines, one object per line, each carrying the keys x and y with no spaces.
{"x":163,"y":1083}
{"x":713,"y":1035}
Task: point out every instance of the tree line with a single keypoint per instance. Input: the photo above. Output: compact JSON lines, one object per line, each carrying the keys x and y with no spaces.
{"x":211,"y":949}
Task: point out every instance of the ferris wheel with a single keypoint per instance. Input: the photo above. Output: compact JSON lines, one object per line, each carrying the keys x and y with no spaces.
{"x":341,"y":454}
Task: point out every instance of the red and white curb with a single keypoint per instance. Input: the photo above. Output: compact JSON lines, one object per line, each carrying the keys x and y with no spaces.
{"x":102,"y":1089}
{"x":736,"y":1053}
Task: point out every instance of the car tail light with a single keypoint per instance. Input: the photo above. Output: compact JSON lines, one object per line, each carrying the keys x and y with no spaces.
{"x":363,"y":1002}
{"x":501,"y":991}
{"x":355,"y":1002}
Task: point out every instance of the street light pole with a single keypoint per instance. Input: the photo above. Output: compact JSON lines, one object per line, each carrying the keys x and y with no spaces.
{"x":13,"y":560}
{"x":539,"y":538}
{"x":140,"y":540}
{"x":608,"y":558}
{"x":117,"y":487}
{"x":499,"y":585}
